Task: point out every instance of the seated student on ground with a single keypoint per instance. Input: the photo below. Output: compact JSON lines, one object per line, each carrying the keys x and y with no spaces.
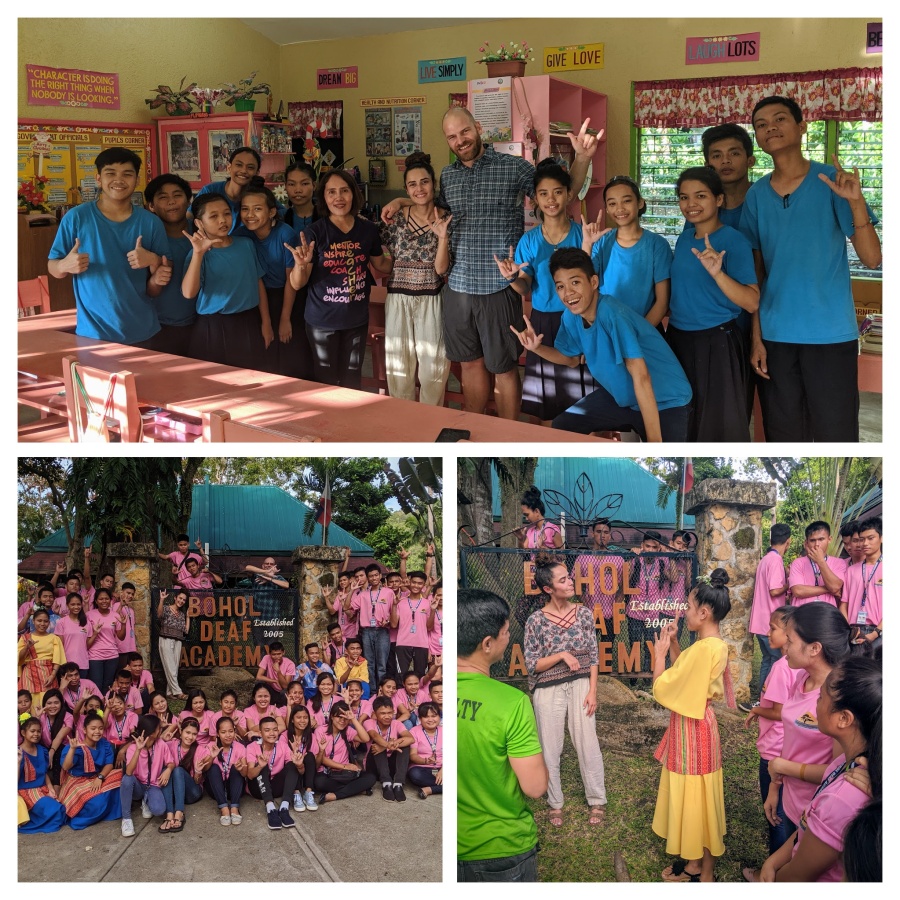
{"x":299,"y":740}
{"x":84,"y":706}
{"x":352,"y":666}
{"x":197,"y":707}
{"x":352,"y":695}
{"x":56,"y":725}
{"x":324,"y":698}
{"x":227,"y":710}
{"x":148,"y":768}
{"x":141,"y":678}
{"x":426,"y":755}
{"x":387,"y":687}
{"x":120,"y":724}
{"x":261,"y":707}
{"x":73,"y":686}
{"x":186,"y":782}
{"x":340,"y":775}
{"x":276,"y":670}
{"x":271,"y":773}
{"x":124,"y":687}
{"x":308,"y":672}
{"x":45,"y":813}
{"x":90,"y":793}
{"x":294,"y":695}
{"x":436,"y":696}
{"x":407,"y":699}
{"x":642,"y":385}
{"x":222,"y":764}
{"x":388,"y":757}
{"x":158,"y":705}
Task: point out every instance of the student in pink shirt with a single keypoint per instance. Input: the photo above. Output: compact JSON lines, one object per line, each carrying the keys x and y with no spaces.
{"x":539,"y":533}
{"x":334,"y":649}
{"x":648,"y":575}
{"x":225,"y":782}
{"x":849,"y":712}
{"x":861,"y":598}
{"x":324,"y":698}
{"x":128,"y":643}
{"x":73,"y":630}
{"x":602,"y":571}
{"x":352,"y":695}
{"x":119,"y":724}
{"x":817,"y":576}
{"x":272,"y":773}
{"x":141,"y":678}
{"x":123,"y":686}
{"x":277,"y":670}
{"x":43,"y":598}
{"x":260,"y":708}
{"x":373,"y":607}
{"x":340,"y":775}
{"x":436,"y":696}
{"x":775,"y":691}
{"x":158,"y":705}
{"x":389,"y":752}
{"x":199,"y":579}
{"x":395,"y":582}
{"x":299,"y":739}
{"x":406,"y":701}
{"x":227,"y":710}
{"x":435,"y":623}
{"x":769,"y":591}
{"x":186,"y":784}
{"x":852,"y":548}
{"x":178,"y":556}
{"x":197,"y":707}
{"x":426,"y":769}
{"x":107,"y":628}
{"x":148,"y":767}
{"x":72,"y":686}
{"x":56,"y":724}
{"x":338,"y":602}
{"x":92,"y":703}
{"x":818,"y":638}
{"x":409,"y":615}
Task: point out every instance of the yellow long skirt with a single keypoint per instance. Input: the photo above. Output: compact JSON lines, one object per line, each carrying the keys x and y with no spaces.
{"x":690,"y":813}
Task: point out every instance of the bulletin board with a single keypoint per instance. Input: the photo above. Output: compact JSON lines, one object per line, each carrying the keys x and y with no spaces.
{"x":74,"y":147}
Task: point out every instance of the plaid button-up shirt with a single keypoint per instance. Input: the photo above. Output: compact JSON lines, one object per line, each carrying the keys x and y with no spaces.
{"x":486,"y":200}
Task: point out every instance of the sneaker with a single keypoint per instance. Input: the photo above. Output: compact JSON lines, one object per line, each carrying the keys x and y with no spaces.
{"x":224,"y":820}
{"x":236,"y":819}
{"x":145,"y":809}
{"x":285,"y":817}
{"x":399,"y":794}
{"x":310,"y":801}
{"x":298,"y":803}
{"x":127,"y":828}
{"x":387,"y":793}
{"x":274,"y":820}
{"x":322,"y":798}
{"x":746,"y":707}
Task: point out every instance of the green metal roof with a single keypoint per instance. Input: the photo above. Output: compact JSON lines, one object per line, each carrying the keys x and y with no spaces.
{"x":608,"y":475}
{"x":247,"y":519}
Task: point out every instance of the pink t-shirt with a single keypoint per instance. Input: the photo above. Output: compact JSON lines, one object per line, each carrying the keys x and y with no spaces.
{"x":117,"y":732}
{"x":275,"y":759}
{"x":133,"y":701}
{"x":436,"y":635}
{"x":364,"y":710}
{"x":803,"y":743}
{"x":859,"y":582}
{"x":74,"y":638}
{"x":128,"y":644}
{"x":106,"y":646}
{"x":373,"y":606}
{"x":227,"y":758}
{"x":252,"y":715}
{"x":601,"y":584}
{"x":176,"y":754}
{"x":87,"y":595}
{"x":320,"y":716}
{"x":45,"y":727}
{"x":349,"y":627}
{"x":777,"y":689}
{"x":828,"y":816}
{"x":802,"y":572}
{"x":145,"y":680}
{"x":411,"y":703}
{"x":177,"y":558}
{"x":652,"y":586}
{"x":86,"y":688}
{"x":769,"y":576}
{"x":412,"y":629}
{"x":151,"y":762}
{"x":541,"y":536}
{"x":268,"y":667}
{"x":207,"y":722}
{"x":237,"y":717}
{"x":392,"y":732}
{"x":425,"y":746}
{"x":335,"y":745}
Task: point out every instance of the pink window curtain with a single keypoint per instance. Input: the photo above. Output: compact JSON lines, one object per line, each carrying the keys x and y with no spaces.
{"x":848,"y":95}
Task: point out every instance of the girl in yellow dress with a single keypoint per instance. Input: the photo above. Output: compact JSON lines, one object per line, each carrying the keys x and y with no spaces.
{"x":40,"y":655}
{"x":690,"y":805}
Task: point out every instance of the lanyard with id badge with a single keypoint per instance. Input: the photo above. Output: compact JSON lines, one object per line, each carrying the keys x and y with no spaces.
{"x":861,"y":615}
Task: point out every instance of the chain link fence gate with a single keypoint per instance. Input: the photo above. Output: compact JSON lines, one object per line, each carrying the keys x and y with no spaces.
{"x":630,"y":595}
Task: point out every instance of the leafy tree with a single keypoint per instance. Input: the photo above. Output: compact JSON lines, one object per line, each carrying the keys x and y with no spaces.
{"x":392,"y":534}
{"x":670,"y":471}
{"x":41,"y":500}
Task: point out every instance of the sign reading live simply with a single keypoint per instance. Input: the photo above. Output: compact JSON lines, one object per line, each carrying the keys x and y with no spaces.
{"x":571,"y":59}
{"x":48,"y":86}
{"x":442,"y":69}
{"x":730,"y":48}
{"x":874,"y":32}
{"x":345,"y":77}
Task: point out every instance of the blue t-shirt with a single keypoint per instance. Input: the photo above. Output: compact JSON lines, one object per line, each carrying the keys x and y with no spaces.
{"x":619,"y":333}
{"x":697,"y":302}
{"x":218,"y":187}
{"x":806,"y":297}
{"x":111,"y":297}
{"x":172,"y":307}
{"x":273,"y":256}
{"x":731,"y":217}
{"x":338,"y":289}
{"x":534,"y":248}
{"x":229,"y":278}
{"x":630,"y":274}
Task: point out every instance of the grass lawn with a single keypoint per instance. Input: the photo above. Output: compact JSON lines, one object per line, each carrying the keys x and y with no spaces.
{"x":628,"y":736}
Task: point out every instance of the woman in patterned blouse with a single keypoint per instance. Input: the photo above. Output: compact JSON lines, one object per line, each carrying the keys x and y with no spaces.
{"x":562,"y":659}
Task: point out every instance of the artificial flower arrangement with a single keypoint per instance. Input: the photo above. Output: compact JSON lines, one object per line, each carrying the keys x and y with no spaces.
{"x":514,"y":51}
{"x":31,"y":194}
{"x":207,"y":98}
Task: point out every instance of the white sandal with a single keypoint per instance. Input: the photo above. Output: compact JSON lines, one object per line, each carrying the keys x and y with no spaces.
{"x":225,"y":820}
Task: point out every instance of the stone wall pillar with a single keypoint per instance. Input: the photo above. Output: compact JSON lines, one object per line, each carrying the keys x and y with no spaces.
{"x":313,"y":565}
{"x":139,"y":564}
{"x":728,"y":516}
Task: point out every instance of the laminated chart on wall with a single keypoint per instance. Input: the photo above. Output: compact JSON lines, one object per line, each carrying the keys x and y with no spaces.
{"x":492,"y":107}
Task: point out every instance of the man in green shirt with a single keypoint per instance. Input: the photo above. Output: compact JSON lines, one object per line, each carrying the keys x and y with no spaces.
{"x":499,"y":755}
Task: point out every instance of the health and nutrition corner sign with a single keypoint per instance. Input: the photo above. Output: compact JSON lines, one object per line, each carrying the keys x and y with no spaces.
{"x":71,"y":87}
{"x":730,"y":48}
{"x":574,"y":58}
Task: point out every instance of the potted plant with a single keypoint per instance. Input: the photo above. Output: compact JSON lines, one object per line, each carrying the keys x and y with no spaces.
{"x":176,"y":103}
{"x":241,"y":95}
{"x":207,"y":98}
{"x":506,"y":61}
{"x":31,"y":194}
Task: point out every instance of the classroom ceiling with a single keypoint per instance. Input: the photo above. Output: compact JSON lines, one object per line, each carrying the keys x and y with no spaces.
{"x":300,"y":30}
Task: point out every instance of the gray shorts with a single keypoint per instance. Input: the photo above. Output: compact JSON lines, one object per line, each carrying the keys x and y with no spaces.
{"x":477,"y":325}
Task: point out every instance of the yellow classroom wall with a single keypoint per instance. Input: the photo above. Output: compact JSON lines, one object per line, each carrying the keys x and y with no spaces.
{"x":215,"y":51}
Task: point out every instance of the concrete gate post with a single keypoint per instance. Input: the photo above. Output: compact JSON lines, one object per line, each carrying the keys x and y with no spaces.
{"x":311,"y":564}
{"x":139,"y":564}
{"x":728,"y":516}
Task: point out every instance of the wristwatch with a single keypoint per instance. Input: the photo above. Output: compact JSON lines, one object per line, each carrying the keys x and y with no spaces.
{"x":101,"y":778}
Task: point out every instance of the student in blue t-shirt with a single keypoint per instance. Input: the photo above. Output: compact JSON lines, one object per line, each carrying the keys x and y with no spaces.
{"x":168,"y":197}
{"x":642,"y":386}
{"x":243,"y":164}
{"x":547,"y":389}
{"x":728,"y":151}
{"x":225,"y":276}
{"x":110,"y":248}
{"x":804,"y":345}
{"x":634,"y":264}
{"x":713,"y":279}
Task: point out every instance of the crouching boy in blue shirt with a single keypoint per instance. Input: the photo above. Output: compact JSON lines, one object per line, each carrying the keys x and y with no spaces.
{"x":109,"y":247}
{"x":642,"y":385}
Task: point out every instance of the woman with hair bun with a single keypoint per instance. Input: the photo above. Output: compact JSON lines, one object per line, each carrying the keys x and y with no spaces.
{"x":418,"y":245}
{"x":539,"y":533}
{"x":690,"y":805}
